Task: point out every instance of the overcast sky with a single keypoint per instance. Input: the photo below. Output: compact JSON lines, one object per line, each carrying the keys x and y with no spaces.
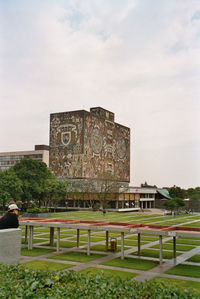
{"x":137,"y":58}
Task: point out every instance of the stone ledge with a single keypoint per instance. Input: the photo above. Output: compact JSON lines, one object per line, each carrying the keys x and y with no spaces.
{"x":10,"y":245}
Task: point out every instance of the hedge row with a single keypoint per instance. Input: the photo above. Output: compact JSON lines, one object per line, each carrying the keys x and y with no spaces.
{"x":18,"y":282}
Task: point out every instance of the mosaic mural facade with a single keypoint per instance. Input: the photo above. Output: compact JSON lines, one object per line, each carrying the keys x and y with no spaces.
{"x":85,"y":145}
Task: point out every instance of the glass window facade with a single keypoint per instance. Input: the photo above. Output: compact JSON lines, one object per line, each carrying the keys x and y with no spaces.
{"x":10,"y":160}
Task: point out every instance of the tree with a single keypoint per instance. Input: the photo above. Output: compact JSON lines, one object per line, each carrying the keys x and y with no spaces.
{"x":54,"y":191}
{"x":107,"y":187}
{"x":10,"y":187}
{"x":176,"y":191}
{"x":33,"y":175}
{"x":174,"y":204}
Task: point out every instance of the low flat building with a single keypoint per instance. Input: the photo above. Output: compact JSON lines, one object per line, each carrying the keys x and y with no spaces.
{"x":8,"y":159}
{"x":129,"y":199}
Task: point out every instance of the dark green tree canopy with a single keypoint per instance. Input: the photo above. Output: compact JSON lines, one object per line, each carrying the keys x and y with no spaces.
{"x":10,"y":187}
{"x":33,"y":175}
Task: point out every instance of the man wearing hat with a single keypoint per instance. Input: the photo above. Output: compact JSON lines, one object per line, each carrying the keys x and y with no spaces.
{"x":10,"y":219}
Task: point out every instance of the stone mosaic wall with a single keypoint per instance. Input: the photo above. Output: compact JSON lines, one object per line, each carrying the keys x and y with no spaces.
{"x":85,"y":145}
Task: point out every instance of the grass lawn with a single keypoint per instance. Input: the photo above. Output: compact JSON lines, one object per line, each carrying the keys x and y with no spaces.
{"x":41,"y":230}
{"x":147,"y":238}
{"x":108,"y":272}
{"x":186,"y":241}
{"x":179,"y":283}
{"x":35,"y":241}
{"x":131,"y":243}
{"x":41,"y":265}
{"x":35,"y":251}
{"x":111,"y":235}
{"x":185,"y":270}
{"x":132,"y":263}
{"x":92,"y":239}
{"x":169,"y":246}
{"x":80,"y":257}
{"x":102,"y":247}
{"x":66,"y":244}
{"x":156,"y":253}
{"x":195,"y":259}
{"x":47,"y":236}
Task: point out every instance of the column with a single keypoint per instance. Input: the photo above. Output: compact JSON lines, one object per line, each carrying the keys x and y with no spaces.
{"x":78,"y":237}
{"x":116,"y":204}
{"x":122,"y":245}
{"x":174,"y":247}
{"x":58,"y":239}
{"x":26,"y":234}
{"x":30,"y":239}
{"x":88,"y":248}
{"x":139,"y":244}
{"x":160,"y":242}
{"x":107,"y":245}
{"x":51,"y":236}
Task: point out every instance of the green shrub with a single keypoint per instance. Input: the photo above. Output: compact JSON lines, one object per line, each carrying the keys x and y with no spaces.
{"x":37,"y":210}
{"x":19,"y":282}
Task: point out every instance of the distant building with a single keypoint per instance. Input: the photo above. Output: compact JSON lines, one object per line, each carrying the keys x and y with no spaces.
{"x":85,"y":145}
{"x":8,"y":159}
{"x":129,"y":199}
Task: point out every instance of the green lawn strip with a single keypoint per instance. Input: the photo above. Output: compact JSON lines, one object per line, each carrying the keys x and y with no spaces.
{"x":92,"y":239}
{"x":179,"y":283}
{"x":185,"y":270}
{"x":102,"y":247}
{"x":55,"y":236}
{"x":195,"y":258}
{"x":131,"y":243}
{"x":186,"y":241}
{"x":147,"y":238}
{"x":35,"y":241}
{"x":111,"y":235}
{"x":178,"y":247}
{"x":132,"y":263}
{"x":175,"y":222}
{"x":41,"y":230}
{"x":35,"y":251}
{"x":81,"y":257}
{"x":44,"y":265}
{"x":108,"y":272}
{"x":67,"y":244}
{"x":156,"y":253}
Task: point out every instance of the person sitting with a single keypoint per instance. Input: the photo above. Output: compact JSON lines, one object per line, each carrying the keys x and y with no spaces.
{"x":10,"y":219}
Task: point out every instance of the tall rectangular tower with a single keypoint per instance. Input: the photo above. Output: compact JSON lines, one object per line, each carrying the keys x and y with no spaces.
{"x":84,"y":145}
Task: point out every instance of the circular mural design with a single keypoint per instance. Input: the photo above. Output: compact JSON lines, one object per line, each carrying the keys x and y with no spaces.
{"x":121,"y":148}
{"x":96,"y":141}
